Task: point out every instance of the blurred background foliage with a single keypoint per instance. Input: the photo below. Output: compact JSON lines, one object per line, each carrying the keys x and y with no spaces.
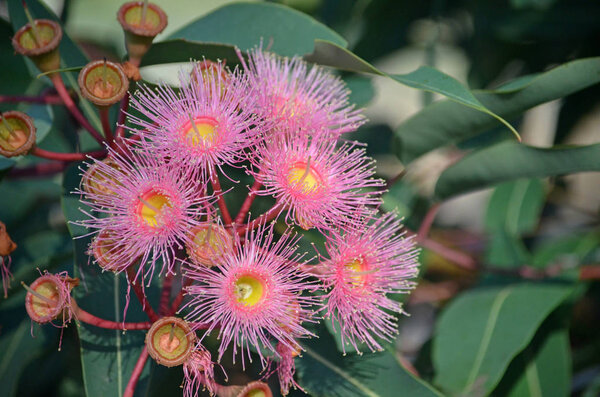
{"x":506,"y":305}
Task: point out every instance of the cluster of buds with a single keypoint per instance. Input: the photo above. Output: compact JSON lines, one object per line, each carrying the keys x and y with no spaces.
{"x":155,"y":205}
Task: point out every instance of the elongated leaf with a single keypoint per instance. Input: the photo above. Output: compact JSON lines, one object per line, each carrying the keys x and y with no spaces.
{"x":500,"y":322}
{"x":515,"y":207}
{"x":323,"y":371}
{"x":180,"y":50}
{"x":424,"y":78}
{"x":282,"y":29}
{"x":444,"y":122}
{"x":107,"y":356}
{"x":509,"y":161}
{"x":569,"y":249}
{"x":543,"y":369}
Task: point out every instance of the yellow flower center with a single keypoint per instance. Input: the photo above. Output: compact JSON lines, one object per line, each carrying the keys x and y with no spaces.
{"x":133,"y":16}
{"x":202,"y":131}
{"x":151,"y":207}
{"x":171,"y":341}
{"x":256,"y":393}
{"x":357,"y":271}
{"x":304,"y":177}
{"x":40,"y":306}
{"x":249,"y":290}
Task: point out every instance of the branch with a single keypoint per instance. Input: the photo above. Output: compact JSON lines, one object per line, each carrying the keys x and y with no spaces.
{"x":137,"y":371}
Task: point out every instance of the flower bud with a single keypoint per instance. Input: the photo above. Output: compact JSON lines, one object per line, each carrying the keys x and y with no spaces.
{"x":17,"y":134}
{"x":210,"y":241}
{"x":170,"y":341}
{"x":141,"y":22}
{"x":103,"y":83}
{"x":40,"y":43}
{"x":49,"y":297}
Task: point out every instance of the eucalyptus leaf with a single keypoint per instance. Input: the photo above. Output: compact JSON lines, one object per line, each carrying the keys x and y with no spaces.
{"x":509,"y":161}
{"x":445,"y":122}
{"x":280,"y":29}
{"x":424,"y":78}
{"x":323,"y":371}
{"x":501,"y":321}
{"x":543,"y":369}
{"x":515,"y":207}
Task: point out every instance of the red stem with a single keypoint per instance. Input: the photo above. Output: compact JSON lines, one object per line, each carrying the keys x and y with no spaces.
{"x":120,"y":132}
{"x":135,"y":375}
{"x":166,"y":294}
{"x":214,"y":180}
{"x":39,"y":170}
{"x":46,"y":154}
{"x":89,"y":318}
{"x":239,"y":219}
{"x":179,"y":298}
{"x":106,"y":125}
{"x":64,"y":94}
{"x":461,"y":259}
{"x":263,"y":219}
{"x":139,"y":292}
{"x":427,"y":222}
{"x":49,"y":99}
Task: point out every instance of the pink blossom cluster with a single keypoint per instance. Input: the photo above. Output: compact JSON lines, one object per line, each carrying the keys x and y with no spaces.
{"x":158,"y":201}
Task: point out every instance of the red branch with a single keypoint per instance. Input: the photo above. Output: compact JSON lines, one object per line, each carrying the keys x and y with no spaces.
{"x":166,"y":294}
{"x":89,"y":318}
{"x":179,"y":298}
{"x":69,"y":104}
{"x":135,"y":375}
{"x":427,"y":222}
{"x":263,"y":219}
{"x":46,"y":154}
{"x":139,"y":292}
{"x":120,"y":132}
{"x":106,"y":125}
{"x":214,"y":180}
{"x":239,"y":219}
{"x":49,"y":99}
{"x":38,"y":170}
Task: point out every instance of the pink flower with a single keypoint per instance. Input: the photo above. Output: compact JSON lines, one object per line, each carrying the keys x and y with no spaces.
{"x":208,"y":123}
{"x":253,"y":297}
{"x":309,"y":100}
{"x":198,"y":371}
{"x":319,"y":184}
{"x":368,"y":263}
{"x":286,"y":368}
{"x":150,"y":210}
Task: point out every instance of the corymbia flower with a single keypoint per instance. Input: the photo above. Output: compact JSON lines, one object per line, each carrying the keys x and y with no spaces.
{"x":367,"y":263}
{"x":252,"y":292}
{"x":308,"y":100}
{"x":286,"y":368}
{"x":151,"y":211}
{"x":208,"y":123}
{"x":318,"y":183}
{"x":7,"y":246}
{"x":199,"y":373}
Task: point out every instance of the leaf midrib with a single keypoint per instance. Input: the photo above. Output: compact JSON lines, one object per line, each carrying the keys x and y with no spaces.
{"x":487,"y":336}
{"x":356,"y":383}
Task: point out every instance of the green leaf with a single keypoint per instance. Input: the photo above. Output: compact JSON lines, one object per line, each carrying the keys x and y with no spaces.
{"x":445,"y":122}
{"x":424,"y":78}
{"x":281,"y":29}
{"x":180,"y":50}
{"x":107,"y":356}
{"x":323,"y":371}
{"x":506,"y":250}
{"x":15,"y":77}
{"x":572,"y":249}
{"x":501,"y":323}
{"x":509,"y":161}
{"x":18,"y":349}
{"x":543,"y":369}
{"x":515,"y":207}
